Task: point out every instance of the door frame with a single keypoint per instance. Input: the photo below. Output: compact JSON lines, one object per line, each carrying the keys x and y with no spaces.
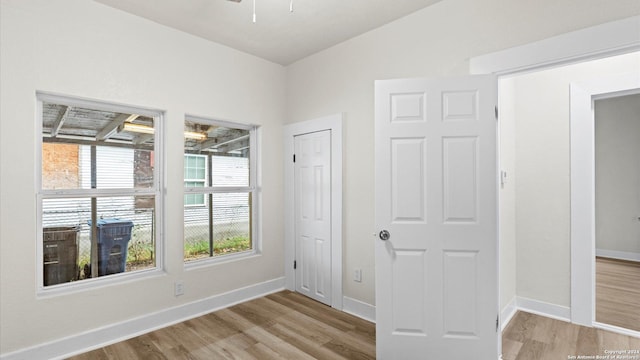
{"x":596,"y":42}
{"x":592,"y":43}
{"x":583,"y":207}
{"x":332,"y":123}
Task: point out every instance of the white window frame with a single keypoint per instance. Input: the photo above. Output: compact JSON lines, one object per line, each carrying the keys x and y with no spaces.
{"x":42,"y":194}
{"x":203,"y":181}
{"x":253,"y":188}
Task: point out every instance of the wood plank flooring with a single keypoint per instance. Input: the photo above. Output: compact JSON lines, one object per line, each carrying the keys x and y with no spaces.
{"x":284,"y":325}
{"x":534,"y":337}
{"x":618,"y":293}
{"x":287,"y":325}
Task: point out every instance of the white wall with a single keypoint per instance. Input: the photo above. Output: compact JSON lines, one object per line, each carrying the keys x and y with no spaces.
{"x":617,"y":151}
{"x":85,"y":49}
{"x":507,"y":223}
{"x":542,"y":164}
{"x":436,"y":41}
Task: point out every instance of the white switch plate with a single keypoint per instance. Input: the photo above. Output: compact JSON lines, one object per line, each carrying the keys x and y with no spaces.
{"x":357,"y":275}
{"x":179,"y":288}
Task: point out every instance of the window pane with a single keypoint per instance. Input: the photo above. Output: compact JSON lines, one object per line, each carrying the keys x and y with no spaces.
{"x":228,"y":147}
{"x":194,"y":183}
{"x":126,"y":237}
{"x":194,"y":199}
{"x":230,"y":224}
{"x":60,"y":166}
{"x":195,"y":167}
{"x":230,"y":171}
{"x":123,"y":143}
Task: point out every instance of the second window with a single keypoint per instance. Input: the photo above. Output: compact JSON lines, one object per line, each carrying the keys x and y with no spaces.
{"x":219,"y":185}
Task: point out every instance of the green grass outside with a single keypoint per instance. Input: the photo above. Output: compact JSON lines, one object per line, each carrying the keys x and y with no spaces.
{"x":140,"y":252}
{"x":220,"y":247}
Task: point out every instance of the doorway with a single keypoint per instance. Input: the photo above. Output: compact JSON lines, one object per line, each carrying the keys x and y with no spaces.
{"x":545,"y":240}
{"x":332,"y":278}
{"x":583,"y":200}
{"x":617,"y":211}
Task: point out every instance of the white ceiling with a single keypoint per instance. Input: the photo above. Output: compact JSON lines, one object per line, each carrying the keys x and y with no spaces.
{"x":278,"y":35}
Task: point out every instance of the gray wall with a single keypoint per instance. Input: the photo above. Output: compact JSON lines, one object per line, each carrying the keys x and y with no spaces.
{"x":617,"y":129}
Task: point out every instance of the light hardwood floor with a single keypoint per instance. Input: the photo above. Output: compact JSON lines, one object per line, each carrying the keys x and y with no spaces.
{"x":618,"y":293}
{"x":287,"y":325}
{"x":533,"y":337}
{"x":284,"y":325}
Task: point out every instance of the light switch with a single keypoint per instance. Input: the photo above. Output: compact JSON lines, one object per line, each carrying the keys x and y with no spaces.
{"x":357,"y":275}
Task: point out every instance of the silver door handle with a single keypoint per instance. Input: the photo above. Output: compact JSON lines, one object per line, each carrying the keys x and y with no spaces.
{"x":384,"y":235}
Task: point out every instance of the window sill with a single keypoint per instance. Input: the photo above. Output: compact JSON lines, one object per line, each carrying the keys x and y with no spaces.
{"x":97,"y":283}
{"x":220,"y":259}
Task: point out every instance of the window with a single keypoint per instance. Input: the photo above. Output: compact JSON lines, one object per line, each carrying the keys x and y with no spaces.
{"x":195,"y":175}
{"x":220,"y":177}
{"x":99,"y":189}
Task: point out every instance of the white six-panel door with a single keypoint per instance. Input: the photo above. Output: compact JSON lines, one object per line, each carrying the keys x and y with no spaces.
{"x":436,"y":190}
{"x":312,"y":173}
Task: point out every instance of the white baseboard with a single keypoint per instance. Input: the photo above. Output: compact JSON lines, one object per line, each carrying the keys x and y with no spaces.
{"x":508,"y":312}
{"x":542,"y":308}
{"x":359,"y":308}
{"x":616,"y":329}
{"x":368,"y":311}
{"x":619,"y":255}
{"x":111,"y":334}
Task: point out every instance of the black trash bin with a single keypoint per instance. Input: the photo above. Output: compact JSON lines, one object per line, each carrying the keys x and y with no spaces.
{"x":113,"y":242}
{"x":60,"y":254}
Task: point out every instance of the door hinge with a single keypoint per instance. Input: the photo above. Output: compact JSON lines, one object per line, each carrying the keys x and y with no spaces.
{"x":294,"y":157}
{"x":497,"y":321}
{"x":496,"y":110}
{"x":295,"y":265}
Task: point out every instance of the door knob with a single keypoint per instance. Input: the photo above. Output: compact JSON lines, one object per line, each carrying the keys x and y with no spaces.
{"x":384,"y":235}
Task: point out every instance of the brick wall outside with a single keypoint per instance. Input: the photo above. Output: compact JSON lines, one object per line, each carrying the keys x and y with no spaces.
{"x":60,"y":166}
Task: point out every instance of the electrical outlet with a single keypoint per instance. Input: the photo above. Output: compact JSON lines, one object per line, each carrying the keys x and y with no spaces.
{"x":357,"y":275}
{"x":179,"y":288}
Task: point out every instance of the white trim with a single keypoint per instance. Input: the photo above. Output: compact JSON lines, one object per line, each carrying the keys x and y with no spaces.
{"x":359,"y":308}
{"x":518,"y":303}
{"x":582,"y":209}
{"x":77,"y":101}
{"x":616,"y":329}
{"x":612,"y":38}
{"x":334,"y":124}
{"x":618,"y":255}
{"x":110,"y":334}
{"x":556,"y":312}
{"x":583,"y":188}
{"x":508,"y":312}
{"x":542,"y":308}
